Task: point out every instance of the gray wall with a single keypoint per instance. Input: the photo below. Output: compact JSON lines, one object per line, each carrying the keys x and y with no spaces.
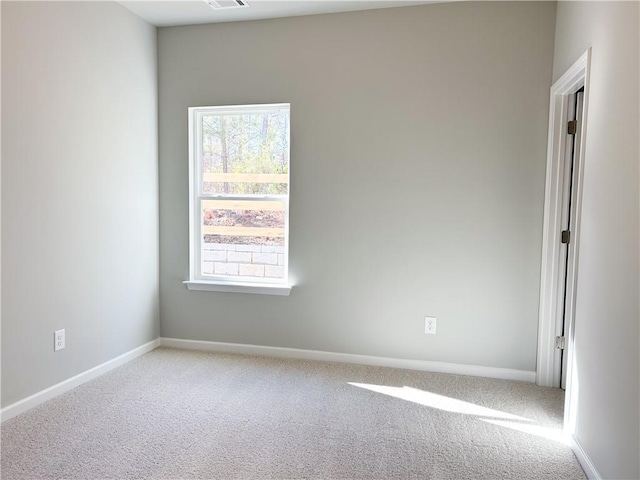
{"x":607,"y":316}
{"x":418,"y":156}
{"x":79,"y":189}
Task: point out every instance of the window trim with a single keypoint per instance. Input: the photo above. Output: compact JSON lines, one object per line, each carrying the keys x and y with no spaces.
{"x":232,"y":284}
{"x":239,"y":287}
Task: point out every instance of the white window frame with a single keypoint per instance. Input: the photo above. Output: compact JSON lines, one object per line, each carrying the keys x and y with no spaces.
{"x":223,"y":283}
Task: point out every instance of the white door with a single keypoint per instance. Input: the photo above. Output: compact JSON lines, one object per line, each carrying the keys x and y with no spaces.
{"x":574,"y":131}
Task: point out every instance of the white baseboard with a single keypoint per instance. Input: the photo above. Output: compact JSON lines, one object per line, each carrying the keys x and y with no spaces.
{"x":25,"y":404}
{"x":585,"y":462}
{"x":282,"y":352}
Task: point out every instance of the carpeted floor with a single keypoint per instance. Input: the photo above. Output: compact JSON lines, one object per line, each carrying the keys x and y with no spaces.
{"x":175,"y":414}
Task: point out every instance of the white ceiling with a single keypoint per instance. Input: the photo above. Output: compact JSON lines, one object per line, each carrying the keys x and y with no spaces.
{"x":190,"y":12}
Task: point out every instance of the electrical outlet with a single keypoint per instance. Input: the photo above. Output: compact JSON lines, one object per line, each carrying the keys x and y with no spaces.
{"x":58,"y":340}
{"x":430,"y":325}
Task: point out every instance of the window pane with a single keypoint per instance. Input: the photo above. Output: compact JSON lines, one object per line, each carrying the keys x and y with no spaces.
{"x":245,"y":154}
{"x":243,"y":238}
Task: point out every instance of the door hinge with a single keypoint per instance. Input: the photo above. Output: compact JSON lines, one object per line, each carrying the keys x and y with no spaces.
{"x":572,"y":127}
{"x":560,"y":343}
{"x":566,"y":236}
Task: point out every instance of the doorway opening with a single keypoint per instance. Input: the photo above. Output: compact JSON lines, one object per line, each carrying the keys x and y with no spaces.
{"x":574,"y":135}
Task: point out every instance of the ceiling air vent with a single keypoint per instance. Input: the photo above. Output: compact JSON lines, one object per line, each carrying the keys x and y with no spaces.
{"x":217,"y":4}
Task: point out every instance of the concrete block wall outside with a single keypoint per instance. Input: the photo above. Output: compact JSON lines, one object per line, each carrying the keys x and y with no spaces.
{"x":243,"y":260}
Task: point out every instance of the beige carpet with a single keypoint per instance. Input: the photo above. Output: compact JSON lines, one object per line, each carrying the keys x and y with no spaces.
{"x":175,"y":414}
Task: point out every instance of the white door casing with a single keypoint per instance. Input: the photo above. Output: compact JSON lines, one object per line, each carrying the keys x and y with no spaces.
{"x":552,"y":275}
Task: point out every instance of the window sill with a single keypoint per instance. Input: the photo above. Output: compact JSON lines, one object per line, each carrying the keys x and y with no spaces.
{"x":239,"y":287}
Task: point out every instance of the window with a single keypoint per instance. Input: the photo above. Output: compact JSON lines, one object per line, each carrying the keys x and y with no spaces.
{"x":239,"y":198}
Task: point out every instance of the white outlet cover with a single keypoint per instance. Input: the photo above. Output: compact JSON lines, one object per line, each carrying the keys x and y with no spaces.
{"x":430,"y":325}
{"x":58,"y":340}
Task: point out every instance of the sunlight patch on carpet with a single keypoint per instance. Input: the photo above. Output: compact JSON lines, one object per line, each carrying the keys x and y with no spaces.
{"x":554,"y":434}
{"x":453,"y":405}
{"x":440,"y":402}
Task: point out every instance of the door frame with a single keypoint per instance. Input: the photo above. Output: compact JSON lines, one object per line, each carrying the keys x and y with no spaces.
{"x":550,"y":312}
